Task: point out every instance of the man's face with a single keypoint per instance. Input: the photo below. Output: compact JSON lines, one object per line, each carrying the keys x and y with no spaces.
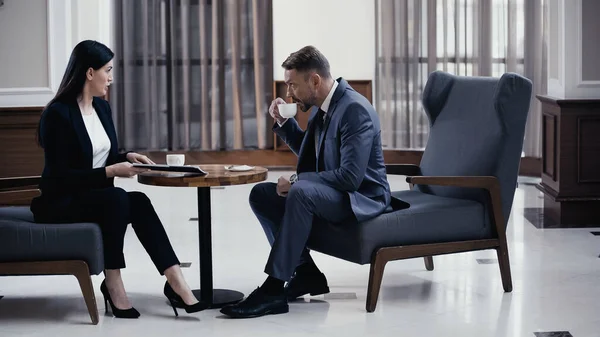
{"x":302,"y":88}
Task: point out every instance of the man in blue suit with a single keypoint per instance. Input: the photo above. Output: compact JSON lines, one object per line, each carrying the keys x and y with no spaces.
{"x":340,"y":177}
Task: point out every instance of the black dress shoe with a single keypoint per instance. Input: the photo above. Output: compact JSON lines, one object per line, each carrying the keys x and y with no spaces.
{"x":257,"y":304}
{"x":305,"y":283}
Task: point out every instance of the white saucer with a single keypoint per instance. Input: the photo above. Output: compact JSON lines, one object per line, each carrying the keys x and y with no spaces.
{"x":239,"y":168}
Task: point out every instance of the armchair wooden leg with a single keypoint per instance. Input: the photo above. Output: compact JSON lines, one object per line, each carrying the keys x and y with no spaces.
{"x":429,"y":262}
{"x":375,"y":278}
{"x":504,"y":263}
{"x":79,"y":269}
{"x":81,"y":272}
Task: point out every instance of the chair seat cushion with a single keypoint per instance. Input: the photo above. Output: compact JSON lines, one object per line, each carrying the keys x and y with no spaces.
{"x":429,"y":219}
{"x":23,"y":240}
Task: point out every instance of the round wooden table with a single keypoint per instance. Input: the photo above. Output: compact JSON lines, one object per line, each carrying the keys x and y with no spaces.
{"x":217,"y":176}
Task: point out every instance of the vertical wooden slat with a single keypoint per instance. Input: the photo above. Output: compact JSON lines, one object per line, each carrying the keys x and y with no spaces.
{"x":205,"y":121}
{"x":387,"y":84}
{"x":415,"y":73}
{"x":171,"y":108}
{"x":467,"y":41}
{"x":233,"y":20}
{"x":116,"y":101}
{"x":156,"y":51}
{"x":185,"y":73}
{"x":511,"y":35}
{"x":128,"y":68}
{"x":215,"y":80}
{"x":145,"y":99}
{"x":259,"y":88}
{"x":456,"y":51}
{"x":431,"y":35}
{"x":267,"y":7}
{"x":445,"y":32}
{"x":404,"y":75}
{"x":475,"y":36}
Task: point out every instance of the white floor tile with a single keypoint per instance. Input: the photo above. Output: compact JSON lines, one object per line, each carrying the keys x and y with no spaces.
{"x":556,"y":273}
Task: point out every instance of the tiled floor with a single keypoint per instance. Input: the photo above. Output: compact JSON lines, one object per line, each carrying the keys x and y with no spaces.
{"x":556,"y":279}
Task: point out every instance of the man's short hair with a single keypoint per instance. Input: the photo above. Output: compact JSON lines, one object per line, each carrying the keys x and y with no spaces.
{"x":307,"y":59}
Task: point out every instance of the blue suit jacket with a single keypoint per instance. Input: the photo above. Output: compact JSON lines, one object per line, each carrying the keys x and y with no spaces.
{"x":350,"y":155}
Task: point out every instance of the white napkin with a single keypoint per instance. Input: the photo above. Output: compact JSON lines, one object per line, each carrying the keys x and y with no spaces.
{"x":239,"y":168}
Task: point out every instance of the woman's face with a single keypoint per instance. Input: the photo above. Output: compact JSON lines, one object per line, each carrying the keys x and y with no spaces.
{"x":99,"y":80}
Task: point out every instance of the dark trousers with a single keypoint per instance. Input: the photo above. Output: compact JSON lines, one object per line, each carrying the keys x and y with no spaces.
{"x":287,"y":221}
{"x":113,"y":209}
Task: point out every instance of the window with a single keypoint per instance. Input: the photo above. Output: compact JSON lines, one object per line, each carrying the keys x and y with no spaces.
{"x":185,"y":74}
{"x":472,"y":37}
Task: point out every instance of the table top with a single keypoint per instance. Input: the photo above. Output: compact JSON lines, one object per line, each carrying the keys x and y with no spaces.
{"x":217,"y":176}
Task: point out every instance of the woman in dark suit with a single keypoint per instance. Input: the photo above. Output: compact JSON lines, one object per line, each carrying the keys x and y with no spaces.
{"x":81,"y":161}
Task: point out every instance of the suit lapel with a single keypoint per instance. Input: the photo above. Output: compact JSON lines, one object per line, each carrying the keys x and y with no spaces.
{"x":339,"y":92}
{"x":332,"y":107}
{"x":110,"y":131}
{"x":81,"y":131}
{"x":309,"y":135}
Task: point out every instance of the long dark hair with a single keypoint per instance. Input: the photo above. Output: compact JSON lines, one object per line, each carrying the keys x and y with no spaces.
{"x":86,"y":54}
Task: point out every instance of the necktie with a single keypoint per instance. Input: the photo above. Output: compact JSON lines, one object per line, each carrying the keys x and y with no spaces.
{"x":319,"y":121}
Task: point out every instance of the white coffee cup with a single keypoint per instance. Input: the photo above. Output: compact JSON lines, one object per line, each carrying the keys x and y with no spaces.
{"x":287,"y":110}
{"x":175,"y":159}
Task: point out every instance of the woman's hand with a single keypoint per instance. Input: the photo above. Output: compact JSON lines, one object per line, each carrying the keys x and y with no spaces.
{"x":137,"y":158}
{"x":124,"y":170}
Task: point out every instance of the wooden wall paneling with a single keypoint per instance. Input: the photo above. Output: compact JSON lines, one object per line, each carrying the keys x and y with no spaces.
{"x":20,"y":154}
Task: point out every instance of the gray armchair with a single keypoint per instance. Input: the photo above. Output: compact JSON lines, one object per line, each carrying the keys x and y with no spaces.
{"x":30,"y":248}
{"x":461,"y":193}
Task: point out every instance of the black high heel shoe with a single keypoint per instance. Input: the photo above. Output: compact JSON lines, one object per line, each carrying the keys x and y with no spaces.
{"x":173,"y":298}
{"x":119,"y":313}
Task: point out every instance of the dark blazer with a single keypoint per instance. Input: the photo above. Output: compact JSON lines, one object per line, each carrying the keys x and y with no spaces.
{"x":350,"y":154}
{"x":68,"y":153}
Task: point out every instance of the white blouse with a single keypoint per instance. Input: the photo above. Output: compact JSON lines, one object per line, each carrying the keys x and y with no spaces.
{"x":99,"y":138}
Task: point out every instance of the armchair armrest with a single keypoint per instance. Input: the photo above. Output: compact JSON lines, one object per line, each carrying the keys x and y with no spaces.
{"x":489,"y":183}
{"x":18,"y":191}
{"x":19,"y":183}
{"x":486,"y":182}
{"x":403,"y":169}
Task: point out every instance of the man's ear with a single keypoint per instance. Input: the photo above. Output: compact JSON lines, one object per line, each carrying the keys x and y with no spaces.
{"x":315,"y":79}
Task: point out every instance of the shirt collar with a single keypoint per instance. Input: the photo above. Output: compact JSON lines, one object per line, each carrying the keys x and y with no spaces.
{"x":327,"y":101}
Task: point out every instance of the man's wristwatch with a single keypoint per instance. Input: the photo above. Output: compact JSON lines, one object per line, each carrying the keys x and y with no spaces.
{"x":293,"y":178}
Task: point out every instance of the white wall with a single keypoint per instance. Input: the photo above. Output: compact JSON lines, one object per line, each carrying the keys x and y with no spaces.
{"x":92,"y":19}
{"x":32,"y":61}
{"x":566,"y":50}
{"x":28,"y":49}
{"x":591,"y":32}
{"x":343,"y":30}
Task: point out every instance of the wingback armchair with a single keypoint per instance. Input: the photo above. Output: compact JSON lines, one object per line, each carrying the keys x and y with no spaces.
{"x":461,"y":193}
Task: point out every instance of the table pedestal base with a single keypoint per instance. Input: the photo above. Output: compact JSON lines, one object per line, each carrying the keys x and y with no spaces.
{"x":221,"y":298}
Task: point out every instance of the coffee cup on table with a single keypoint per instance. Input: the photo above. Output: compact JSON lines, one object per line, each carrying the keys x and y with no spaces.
{"x":175,"y":159}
